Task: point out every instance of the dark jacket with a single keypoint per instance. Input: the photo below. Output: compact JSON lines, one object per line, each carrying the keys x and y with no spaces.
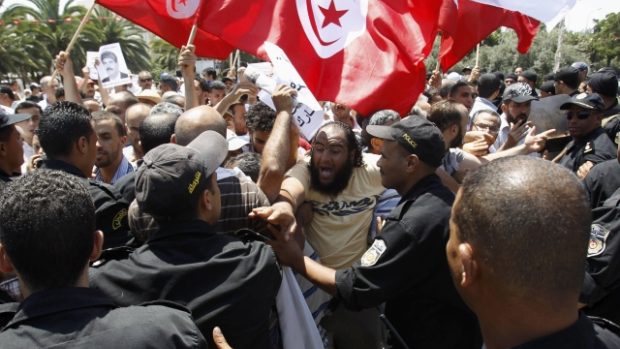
{"x":594,"y":147}
{"x":79,"y":317}
{"x":223,"y":281}
{"x":407,"y":268}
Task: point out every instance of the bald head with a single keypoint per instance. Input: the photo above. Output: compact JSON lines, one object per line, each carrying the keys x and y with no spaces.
{"x":197,"y":120}
{"x":120,"y":101}
{"x":528,"y":222}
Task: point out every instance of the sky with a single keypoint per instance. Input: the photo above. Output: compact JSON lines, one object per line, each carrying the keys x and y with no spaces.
{"x":580,"y":18}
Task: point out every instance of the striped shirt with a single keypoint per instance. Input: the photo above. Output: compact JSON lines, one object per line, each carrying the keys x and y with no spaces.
{"x":123,"y":169}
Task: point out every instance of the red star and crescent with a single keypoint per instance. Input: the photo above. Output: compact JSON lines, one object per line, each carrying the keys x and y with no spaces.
{"x":332,"y":15}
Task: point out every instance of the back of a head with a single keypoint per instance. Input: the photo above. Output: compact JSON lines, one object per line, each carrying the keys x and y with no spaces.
{"x":447,"y":113}
{"x":62,"y":124}
{"x":248,"y":163}
{"x":604,"y":83}
{"x":487,"y":85}
{"x":156,"y":130}
{"x":123,"y":99}
{"x":166,"y":108}
{"x":47,"y":224}
{"x":528,"y":220}
{"x":195,"y":121}
{"x":260,"y":117}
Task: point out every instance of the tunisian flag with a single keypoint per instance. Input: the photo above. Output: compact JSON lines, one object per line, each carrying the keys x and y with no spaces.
{"x":363,"y":53}
{"x":463,"y":27}
{"x":172,"y":20}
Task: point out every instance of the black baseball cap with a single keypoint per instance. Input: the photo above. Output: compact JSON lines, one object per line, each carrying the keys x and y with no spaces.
{"x":417,"y":135}
{"x":605,"y":83}
{"x":173,"y":177}
{"x":518,"y":92}
{"x":530,"y":75}
{"x":586,"y":101}
{"x":569,"y":75}
{"x":10,"y":119}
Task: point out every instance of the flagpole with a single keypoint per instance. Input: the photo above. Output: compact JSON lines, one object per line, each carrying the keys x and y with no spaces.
{"x":477,"y":54}
{"x":192,"y":33}
{"x":438,"y":67}
{"x":76,"y":35}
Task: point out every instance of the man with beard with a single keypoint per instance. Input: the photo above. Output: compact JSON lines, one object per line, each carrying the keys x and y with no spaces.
{"x":516,"y":104}
{"x":342,"y":186}
{"x":405,"y":266}
{"x":111,"y":137}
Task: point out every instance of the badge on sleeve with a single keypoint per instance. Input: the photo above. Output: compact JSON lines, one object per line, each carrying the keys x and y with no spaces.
{"x":598,"y":238}
{"x":373,"y":253}
{"x":588,"y":148}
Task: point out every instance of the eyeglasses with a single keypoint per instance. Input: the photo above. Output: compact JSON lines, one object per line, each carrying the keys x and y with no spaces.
{"x":487,"y":128}
{"x":582,"y":115}
{"x":146,"y":79}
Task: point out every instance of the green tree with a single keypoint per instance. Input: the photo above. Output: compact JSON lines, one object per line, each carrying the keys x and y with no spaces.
{"x":605,"y":41}
{"x":164,"y":56}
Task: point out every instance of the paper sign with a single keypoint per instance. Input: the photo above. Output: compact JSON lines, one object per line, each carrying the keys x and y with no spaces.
{"x":91,"y":58}
{"x":308,"y":113}
{"x":112,"y":68}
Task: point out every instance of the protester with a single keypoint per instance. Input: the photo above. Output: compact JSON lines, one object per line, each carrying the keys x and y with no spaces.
{"x":567,"y":81}
{"x":11,"y":150}
{"x":133,"y":118}
{"x":605,"y":84}
{"x":111,"y":137}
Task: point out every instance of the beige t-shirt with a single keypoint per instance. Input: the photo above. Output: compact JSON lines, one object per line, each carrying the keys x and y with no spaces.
{"x":339,"y":229}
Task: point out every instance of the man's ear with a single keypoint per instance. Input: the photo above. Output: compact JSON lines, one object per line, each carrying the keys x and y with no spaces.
{"x":469,"y":266}
{"x":205,"y":200}
{"x":97,"y":245}
{"x":173,"y":138}
{"x":413,"y":161}
{"x":504,"y":107}
{"x":123,"y":139}
{"x":82,"y":145}
{"x":3,"y":149}
{"x":375,"y":143}
{"x":6,"y":266}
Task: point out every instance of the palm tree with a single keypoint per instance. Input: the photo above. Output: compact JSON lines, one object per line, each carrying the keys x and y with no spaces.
{"x":165,"y":56}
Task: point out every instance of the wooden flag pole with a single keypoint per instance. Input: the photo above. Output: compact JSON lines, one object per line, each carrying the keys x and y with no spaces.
{"x":192,"y":34}
{"x":477,"y":54}
{"x":76,"y":35}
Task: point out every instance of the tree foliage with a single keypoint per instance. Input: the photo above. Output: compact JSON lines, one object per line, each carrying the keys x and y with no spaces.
{"x":605,"y":40}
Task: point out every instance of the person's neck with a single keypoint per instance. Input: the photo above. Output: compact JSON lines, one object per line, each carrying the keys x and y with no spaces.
{"x":414,"y":179}
{"x":108,"y":172}
{"x":609,"y":101}
{"x":72,"y":160}
{"x":511,"y":323}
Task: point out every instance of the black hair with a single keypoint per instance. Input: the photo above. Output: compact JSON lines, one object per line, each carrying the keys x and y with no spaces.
{"x":487,"y":85}
{"x":28,"y":105}
{"x":502,"y":218}
{"x":248,"y":163}
{"x":352,"y":143}
{"x":457,"y":85}
{"x":260,"y":117}
{"x":217,"y":85}
{"x":156,"y":130}
{"x":445,"y":114}
{"x":62,"y":124}
{"x":47,"y":221}
{"x":109,"y":54}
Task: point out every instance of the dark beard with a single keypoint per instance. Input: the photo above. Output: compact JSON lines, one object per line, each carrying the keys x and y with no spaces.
{"x":341,"y":180}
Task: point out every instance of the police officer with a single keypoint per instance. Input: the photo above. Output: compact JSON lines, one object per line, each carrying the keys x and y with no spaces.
{"x":50,"y":255}
{"x":70,"y":145}
{"x":590,"y":144}
{"x":11,"y":151}
{"x":224,"y":281}
{"x":406,"y":265}
{"x":601,"y":289}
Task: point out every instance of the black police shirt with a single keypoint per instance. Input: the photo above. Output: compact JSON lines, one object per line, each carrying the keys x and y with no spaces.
{"x":594,"y":147}
{"x":407,"y":268}
{"x":602,"y":181}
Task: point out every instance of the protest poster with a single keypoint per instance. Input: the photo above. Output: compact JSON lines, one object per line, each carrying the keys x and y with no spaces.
{"x":112,"y":68}
{"x":91,"y":58}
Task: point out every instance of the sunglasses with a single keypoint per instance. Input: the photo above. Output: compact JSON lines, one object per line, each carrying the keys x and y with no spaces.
{"x":582,"y":115}
{"x":147,"y":79}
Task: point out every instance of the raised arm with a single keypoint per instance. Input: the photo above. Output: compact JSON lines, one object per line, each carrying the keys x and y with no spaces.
{"x":64,"y":66}
{"x":187,"y":63}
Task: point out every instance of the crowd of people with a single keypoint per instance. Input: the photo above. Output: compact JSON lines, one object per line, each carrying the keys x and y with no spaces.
{"x":192,"y":214}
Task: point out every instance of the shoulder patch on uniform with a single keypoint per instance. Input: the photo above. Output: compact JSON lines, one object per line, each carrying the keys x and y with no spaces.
{"x":375,"y":251}
{"x":598,"y":239}
{"x":588,"y":148}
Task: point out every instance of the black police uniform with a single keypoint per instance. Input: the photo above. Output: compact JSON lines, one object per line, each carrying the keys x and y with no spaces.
{"x":611,"y":122}
{"x":5,"y":178}
{"x":223,"y":281}
{"x":601,"y":287}
{"x":594,"y":147}
{"x":602,"y":181}
{"x":585,"y":333}
{"x":110,"y":208}
{"x":407,"y":267}
{"x":79,"y":317}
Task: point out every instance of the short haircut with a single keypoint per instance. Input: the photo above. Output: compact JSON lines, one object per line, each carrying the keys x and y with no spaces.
{"x":47,"y":224}
{"x":248,"y":163}
{"x":28,"y":105}
{"x":210,"y":72}
{"x":5,"y":133}
{"x":380,"y":118}
{"x":487,"y":85}
{"x":156,"y":130}
{"x":125,"y":98}
{"x":456,"y":87}
{"x":166,"y":108}
{"x":474,"y":117}
{"x":62,"y":124}
{"x":108,"y":116}
{"x":260,"y":117}
{"x":522,"y":215}
{"x":445,"y":114}
{"x":108,"y":54}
